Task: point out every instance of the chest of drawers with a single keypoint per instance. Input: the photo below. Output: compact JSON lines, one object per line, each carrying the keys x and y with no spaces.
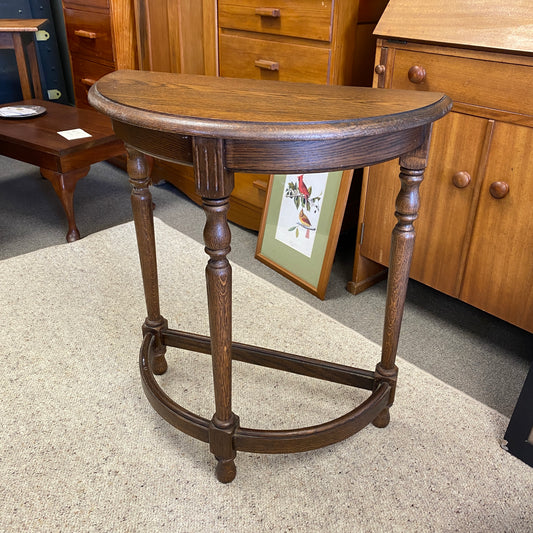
{"x":475,"y":238}
{"x":101,"y":39}
{"x":315,"y":41}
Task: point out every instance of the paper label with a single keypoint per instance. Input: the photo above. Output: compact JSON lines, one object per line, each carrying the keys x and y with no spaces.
{"x":77,"y":133}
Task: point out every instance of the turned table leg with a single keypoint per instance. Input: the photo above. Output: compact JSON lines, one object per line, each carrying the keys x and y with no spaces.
{"x":412,"y":167}
{"x":214,"y":184}
{"x":141,"y":202}
{"x":64,"y":184}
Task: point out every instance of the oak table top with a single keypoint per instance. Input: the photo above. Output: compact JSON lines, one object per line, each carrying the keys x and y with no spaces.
{"x":261,"y":110}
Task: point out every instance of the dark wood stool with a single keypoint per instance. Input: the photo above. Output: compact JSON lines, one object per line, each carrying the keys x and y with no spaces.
{"x":63,"y":162}
{"x":221,"y":126}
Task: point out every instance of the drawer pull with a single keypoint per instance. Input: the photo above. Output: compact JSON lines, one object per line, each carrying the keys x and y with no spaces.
{"x":380,"y":70}
{"x":273,"y":12}
{"x":499,"y":189}
{"x":85,"y":34}
{"x":89,"y":82}
{"x":416,"y":74}
{"x":461,"y":179}
{"x":265,"y":64}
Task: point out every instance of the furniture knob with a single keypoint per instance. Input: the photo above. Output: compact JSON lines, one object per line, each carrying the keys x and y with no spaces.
{"x":85,"y":34}
{"x":380,"y":70}
{"x":499,"y":189}
{"x":273,"y":12}
{"x":88,"y":81}
{"x":265,"y":64}
{"x":416,"y":74}
{"x":461,"y":179}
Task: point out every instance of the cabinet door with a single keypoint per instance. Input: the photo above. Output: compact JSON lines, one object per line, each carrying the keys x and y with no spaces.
{"x":499,"y":272}
{"x":446,"y":211}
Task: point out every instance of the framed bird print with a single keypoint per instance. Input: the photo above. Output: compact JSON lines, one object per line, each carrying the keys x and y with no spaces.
{"x":300,"y":226}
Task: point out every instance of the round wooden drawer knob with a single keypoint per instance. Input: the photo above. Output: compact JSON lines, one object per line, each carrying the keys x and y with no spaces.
{"x":379,"y":70}
{"x":461,"y":179}
{"x":416,"y":74}
{"x":499,"y":189}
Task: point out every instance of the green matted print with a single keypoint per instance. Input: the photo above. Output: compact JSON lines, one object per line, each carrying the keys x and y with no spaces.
{"x":301,"y":224}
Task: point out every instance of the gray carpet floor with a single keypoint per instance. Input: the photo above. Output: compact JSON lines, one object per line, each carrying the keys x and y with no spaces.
{"x":82,"y":450}
{"x":474,"y":352}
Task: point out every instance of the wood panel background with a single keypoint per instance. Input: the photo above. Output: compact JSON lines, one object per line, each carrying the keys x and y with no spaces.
{"x":167,"y":36}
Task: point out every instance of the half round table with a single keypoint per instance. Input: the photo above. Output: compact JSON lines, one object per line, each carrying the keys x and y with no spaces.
{"x":221,"y":126}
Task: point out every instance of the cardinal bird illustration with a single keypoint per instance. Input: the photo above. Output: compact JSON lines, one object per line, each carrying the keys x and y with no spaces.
{"x":305,"y":222}
{"x":302,"y":187}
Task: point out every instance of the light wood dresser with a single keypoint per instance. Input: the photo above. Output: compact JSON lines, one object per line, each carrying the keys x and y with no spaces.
{"x":101,"y":39}
{"x":315,"y":41}
{"x":475,"y":240}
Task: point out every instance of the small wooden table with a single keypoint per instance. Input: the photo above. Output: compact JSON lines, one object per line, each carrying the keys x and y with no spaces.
{"x":221,"y":126}
{"x":63,"y":162}
{"x":17,"y":35}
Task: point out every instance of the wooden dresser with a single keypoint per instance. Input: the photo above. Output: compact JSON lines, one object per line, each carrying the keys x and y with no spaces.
{"x":475,"y":232}
{"x":318,"y":41}
{"x":101,"y":39}
{"x":315,"y":41}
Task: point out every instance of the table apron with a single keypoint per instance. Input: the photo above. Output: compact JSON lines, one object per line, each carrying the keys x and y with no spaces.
{"x":171,"y":147}
{"x":319,"y":156}
{"x":279,"y":156}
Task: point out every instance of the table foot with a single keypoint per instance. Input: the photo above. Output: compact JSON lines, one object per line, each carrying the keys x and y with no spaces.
{"x":225,"y":470}
{"x":222,"y":446}
{"x":383,"y":419}
{"x":73,"y":234}
{"x":64,"y":184}
{"x":159,"y":364}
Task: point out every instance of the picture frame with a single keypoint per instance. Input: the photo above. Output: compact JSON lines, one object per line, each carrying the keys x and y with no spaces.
{"x":300,"y":226}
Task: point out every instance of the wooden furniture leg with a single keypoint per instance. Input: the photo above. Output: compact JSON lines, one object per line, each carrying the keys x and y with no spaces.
{"x":21,"y":66}
{"x":34,"y":67}
{"x":208,"y":158}
{"x":141,"y":203}
{"x":412,"y":167}
{"x":64,"y":184}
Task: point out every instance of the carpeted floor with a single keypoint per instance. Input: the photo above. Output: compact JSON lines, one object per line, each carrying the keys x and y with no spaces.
{"x":82,"y":450}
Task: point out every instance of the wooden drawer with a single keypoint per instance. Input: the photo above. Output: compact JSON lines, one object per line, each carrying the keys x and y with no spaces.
{"x":89,"y":34}
{"x":245,"y":57}
{"x":503,"y":86}
{"x":308,"y":19}
{"x":84,"y":74}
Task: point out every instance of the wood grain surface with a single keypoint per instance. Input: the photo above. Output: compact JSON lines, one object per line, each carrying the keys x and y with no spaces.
{"x":480,"y":23}
{"x":190,"y":104}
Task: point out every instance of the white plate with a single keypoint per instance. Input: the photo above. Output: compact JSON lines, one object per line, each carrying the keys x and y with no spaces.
{"x":22,"y":111}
